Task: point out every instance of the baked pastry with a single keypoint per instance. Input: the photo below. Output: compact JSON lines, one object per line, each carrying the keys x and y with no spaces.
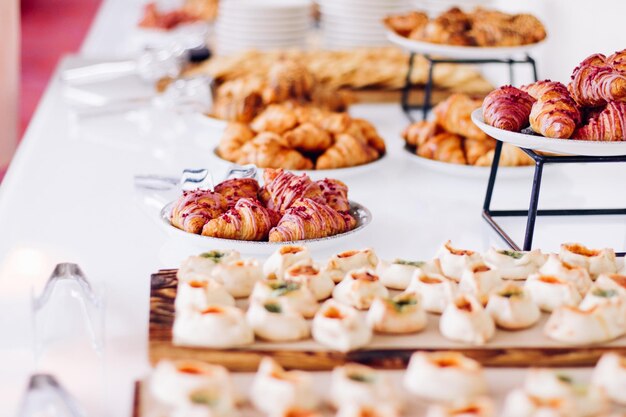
{"x":610,"y":376}
{"x":550,"y":292}
{"x":269,"y":150}
{"x":282,"y":188}
{"x":308,"y":137}
{"x":234,"y":137}
{"x":596,"y":82}
{"x":275,"y":390}
{"x":198,"y":295}
{"x":607,"y":125}
{"x":215,"y":327}
{"x":480,"y":281}
{"x":455,"y":115}
{"x":289,"y":80}
{"x":238,"y":277}
{"x":360,"y":385}
{"x":465,"y":320}
{"x":352,"y":410}
{"x":340,"y":327}
{"x":366,"y":131}
{"x":598,"y":295}
{"x":454,"y":261}
{"x":444,"y":377}
{"x":508,"y":108}
{"x":284,"y":257}
{"x":616,"y":282}
{"x":335,"y":193}
{"x":436,"y":290}
{"x":194,"y":209}
{"x":340,"y":264}
{"x":292,"y":295}
{"x":404,"y":24}
{"x":575,"y":325}
{"x":309,"y":274}
{"x":416,"y":134}
{"x":359,"y":288}
{"x":514,"y":264}
{"x":275,"y":321}
{"x":554,"y":113}
{"x":398,"y":273}
{"x":446,"y":147}
{"x":511,"y":307}
{"x":400,"y":314}
{"x":235,"y":189}
{"x":510,"y":156}
{"x":480,"y":407}
{"x":519,"y":403}
{"x":477,"y":151}
{"x":200,"y":267}
{"x":574,"y":274}
{"x":308,"y":219}
{"x":346,"y":151}
{"x":276,"y":119}
{"x":247,"y":220}
{"x":596,"y":261}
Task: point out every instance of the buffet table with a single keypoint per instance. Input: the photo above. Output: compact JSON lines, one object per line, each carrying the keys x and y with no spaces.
{"x":68,"y":197}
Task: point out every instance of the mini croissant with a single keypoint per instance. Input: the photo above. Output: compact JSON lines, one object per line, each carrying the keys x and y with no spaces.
{"x":248,"y":220}
{"x":508,"y":108}
{"x":195,"y":208}
{"x":554,"y":114}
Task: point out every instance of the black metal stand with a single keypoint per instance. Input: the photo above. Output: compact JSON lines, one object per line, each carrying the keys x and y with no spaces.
{"x":532,"y":211}
{"x":428,"y":88}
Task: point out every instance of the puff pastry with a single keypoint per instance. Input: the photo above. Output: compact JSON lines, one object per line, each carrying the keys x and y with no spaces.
{"x":574,"y":274}
{"x":292,"y":295}
{"x":550,"y":292}
{"x":340,"y":264}
{"x":198,"y":295}
{"x":359,"y":288}
{"x":436,"y":290}
{"x":238,"y":277}
{"x":360,"y":385}
{"x":516,"y":265}
{"x":216,"y":327}
{"x":465,"y":320}
{"x":512,"y":308}
{"x":397,"y":274}
{"x":194,"y":209}
{"x":284,"y":257}
{"x":309,"y":274}
{"x":610,"y":376}
{"x":454,"y":261}
{"x":340,"y":327}
{"x":480,"y":281}
{"x":397,"y":315}
{"x":596,"y":261}
{"x":247,"y":220}
{"x":480,"y":407}
{"x":200,"y":267}
{"x":275,"y":321}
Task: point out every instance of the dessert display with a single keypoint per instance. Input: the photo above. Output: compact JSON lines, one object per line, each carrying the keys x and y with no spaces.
{"x":286,"y":208}
{"x":190,"y":12}
{"x":591,"y":107}
{"x":302,"y":138}
{"x":478,"y":28}
{"x":452,"y":137}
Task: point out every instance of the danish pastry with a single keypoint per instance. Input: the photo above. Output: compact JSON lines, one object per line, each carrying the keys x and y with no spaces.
{"x":465,"y":320}
{"x":512,"y":308}
{"x":275,"y":321}
{"x":284,"y":257}
{"x":247,"y":220}
{"x":359,"y":288}
{"x":238,"y":277}
{"x":217,"y":326}
{"x":340,"y":264}
{"x":397,"y":315}
{"x":340,"y":327}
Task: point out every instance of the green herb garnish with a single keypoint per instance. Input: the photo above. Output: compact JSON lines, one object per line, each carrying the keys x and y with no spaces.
{"x":565,"y":378}
{"x":512,"y":253}
{"x":282,"y":288}
{"x":202,"y":397}
{"x":400,"y":304}
{"x":599,"y":292}
{"x":214,"y":255}
{"x":417,"y":264}
{"x":273,"y":307}
{"x":512,"y":292}
{"x":361,"y":378}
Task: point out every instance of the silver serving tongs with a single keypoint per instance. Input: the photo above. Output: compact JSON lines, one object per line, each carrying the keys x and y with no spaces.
{"x":45,"y":396}
{"x":192,"y":179}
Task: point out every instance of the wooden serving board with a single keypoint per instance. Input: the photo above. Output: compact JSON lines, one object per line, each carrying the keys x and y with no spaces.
{"x":510,"y":349}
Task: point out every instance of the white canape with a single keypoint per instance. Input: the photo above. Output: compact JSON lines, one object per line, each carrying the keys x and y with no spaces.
{"x":239,"y":276}
{"x":216,"y":326}
{"x":355,"y":410}
{"x":480,"y":280}
{"x":278,"y":262}
{"x":296,"y":412}
{"x":512,"y":308}
{"x":397,"y":274}
{"x":204,"y":403}
{"x":615,"y":282}
{"x":340,"y":327}
{"x":454,"y":261}
{"x":519,"y":403}
{"x":465,"y":320}
{"x":598,"y":295}
{"x":445,"y":377}
{"x":275,"y":390}
{"x":480,"y":407}
{"x":513,"y":264}
{"x":550,"y":292}
{"x":309,"y":274}
{"x":296,"y":296}
{"x":596,"y":261}
{"x":610,"y":375}
{"x":359,"y":288}
{"x":342,"y":263}
{"x":173,"y":382}
{"x":272,"y":320}
{"x":436,"y":290}
{"x":198,"y":295}
{"x":360,"y":385}
{"x":575,"y":274}
{"x":574,"y":325}
{"x":199,"y":267}
{"x":397,"y":315}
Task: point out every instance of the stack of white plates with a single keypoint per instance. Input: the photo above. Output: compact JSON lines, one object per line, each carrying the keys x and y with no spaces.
{"x":355,"y":23}
{"x":262,"y":24}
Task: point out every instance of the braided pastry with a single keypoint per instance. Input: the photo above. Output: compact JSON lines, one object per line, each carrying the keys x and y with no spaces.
{"x":347,"y":151}
{"x":554,"y":114}
{"x":282,"y":189}
{"x":455,"y":115}
{"x":195,"y":208}
{"x":335,"y":193}
{"x":507,"y":108}
{"x":268,"y":149}
{"x":248,"y":220}
{"x":308,"y":219}
{"x":607,"y":125}
{"x":235,"y":136}
{"x":595,"y":81}
{"x":237,"y":188}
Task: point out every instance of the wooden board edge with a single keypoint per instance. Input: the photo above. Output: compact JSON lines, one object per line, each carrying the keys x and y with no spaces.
{"x":136,"y":411}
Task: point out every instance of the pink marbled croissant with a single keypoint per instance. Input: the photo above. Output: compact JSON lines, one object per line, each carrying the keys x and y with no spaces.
{"x":596,"y":81}
{"x":507,"y":108}
{"x":554,"y":114}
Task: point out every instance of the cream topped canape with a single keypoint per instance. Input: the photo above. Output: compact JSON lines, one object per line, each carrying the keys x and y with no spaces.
{"x":275,"y":390}
{"x":512,"y":308}
{"x":445,"y":377}
{"x":479,"y":280}
{"x":275,"y":321}
{"x":454,"y":261}
{"x":293,"y":294}
{"x":239,"y":276}
{"x":397,"y":274}
{"x":296,"y":412}
{"x":342,"y":263}
{"x":309,"y":274}
{"x":550,"y":292}
{"x":278,"y":262}
{"x":597,"y":295}
{"x":397,"y":315}
{"x":340,"y":327}
{"x":173,"y":382}
{"x":519,"y":403}
{"x":480,"y":407}
{"x":512,"y":264}
{"x":378,"y":410}
{"x":575,"y":274}
{"x":215,"y":326}
{"x":610,"y":375}
{"x":199,"y":267}
{"x":465,"y":320}
{"x":359,"y":288}
{"x":615,"y":282}
{"x":360,"y":385}
{"x":596,"y":261}
{"x":436,"y":290}
{"x":574,"y":325}
{"x":199,"y":295}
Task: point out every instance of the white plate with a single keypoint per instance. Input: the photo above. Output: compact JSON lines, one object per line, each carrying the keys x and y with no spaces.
{"x":469,"y":171}
{"x":362,"y":215}
{"x":540,"y":143}
{"x":461,"y":52}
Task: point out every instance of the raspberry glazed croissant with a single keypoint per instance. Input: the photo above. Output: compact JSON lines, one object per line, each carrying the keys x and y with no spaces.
{"x":335,"y":193}
{"x":237,"y":188}
{"x":617,"y":60}
{"x":283,"y":188}
{"x":195,"y":208}
{"x":308,"y":219}
{"x":248,"y":220}
{"x":507,"y":108}
{"x":608,"y":125}
{"x":554,"y":114}
{"x":595,"y":82}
